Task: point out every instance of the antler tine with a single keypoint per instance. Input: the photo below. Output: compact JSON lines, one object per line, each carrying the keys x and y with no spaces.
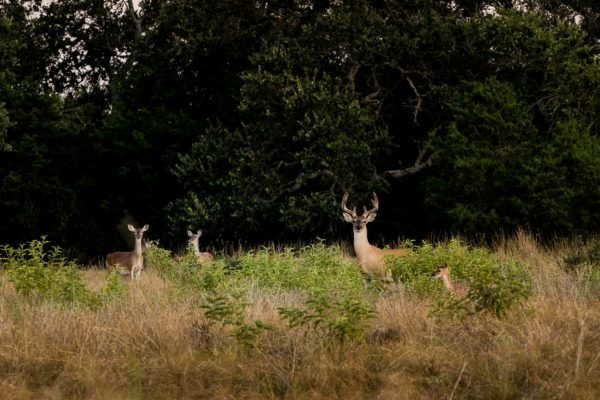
{"x":345,"y":208}
{"x":375,"y":202}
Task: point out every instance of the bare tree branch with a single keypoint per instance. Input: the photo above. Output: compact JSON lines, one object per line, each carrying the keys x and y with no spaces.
{"x":416,"y":167}
{"x":418,"y":97}
{"x":303,"y":178}
{"x":419,"y":100}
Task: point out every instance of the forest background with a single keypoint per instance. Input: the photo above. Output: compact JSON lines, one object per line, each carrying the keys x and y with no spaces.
{"x":251,"y":119}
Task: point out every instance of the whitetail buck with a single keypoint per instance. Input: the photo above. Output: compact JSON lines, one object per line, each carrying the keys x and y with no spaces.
{"x":132,"y":260}
{"x":193,"y":240}
{"x":443,"y":273}
{"x":370,"y":258}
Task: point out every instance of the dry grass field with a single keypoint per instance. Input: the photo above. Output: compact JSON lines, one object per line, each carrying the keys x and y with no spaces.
{"x":157,"y":340}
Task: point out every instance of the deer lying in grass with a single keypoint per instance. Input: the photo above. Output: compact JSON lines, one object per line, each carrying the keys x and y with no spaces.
{"x":132,"y":260}
{"x":443,"y":273}
{"x":193,"y":240}
{"x":370,"y":258}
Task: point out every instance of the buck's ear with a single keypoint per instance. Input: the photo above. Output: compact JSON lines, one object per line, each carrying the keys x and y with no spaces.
{"x":347,"y":217}
{"x":370,"y":218}
{"x":131,"y":228}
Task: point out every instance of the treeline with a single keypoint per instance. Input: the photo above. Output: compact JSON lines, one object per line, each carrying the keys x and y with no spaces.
{"x":251,"y":119}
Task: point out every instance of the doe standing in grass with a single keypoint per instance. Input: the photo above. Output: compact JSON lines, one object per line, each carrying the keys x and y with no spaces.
{"x":132,"y":260}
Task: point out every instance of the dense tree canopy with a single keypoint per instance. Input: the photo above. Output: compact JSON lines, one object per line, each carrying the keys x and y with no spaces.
{"x":251,"y":119}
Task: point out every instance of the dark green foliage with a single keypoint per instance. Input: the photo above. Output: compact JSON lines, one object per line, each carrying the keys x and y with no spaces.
{"x":518,"y":146}
{"x":251,"y":120}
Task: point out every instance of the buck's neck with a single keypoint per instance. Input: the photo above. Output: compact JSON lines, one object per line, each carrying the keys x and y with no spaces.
{"x":361,"y":242}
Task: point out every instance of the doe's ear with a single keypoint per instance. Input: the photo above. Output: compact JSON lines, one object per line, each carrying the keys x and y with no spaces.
{"x":145,"y":228}
{"x":348,"y":217}
{"x":131,"y":228}
{"x":190,"y":234}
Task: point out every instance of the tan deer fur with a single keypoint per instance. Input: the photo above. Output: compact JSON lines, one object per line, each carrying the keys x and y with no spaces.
{"x":194,"y":239}
{"x":371,"y":258}
{"x":132,"y":260}
{"x":443,"y":273}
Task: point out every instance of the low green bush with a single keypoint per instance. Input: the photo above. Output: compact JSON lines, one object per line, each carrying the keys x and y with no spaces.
{"x":493,"y":285}
{"x":311,"y":268}
{"x":342,"y":318}
{"x":115,"y":286}
{"x":230,"y":311}
{"x":36,"y":272}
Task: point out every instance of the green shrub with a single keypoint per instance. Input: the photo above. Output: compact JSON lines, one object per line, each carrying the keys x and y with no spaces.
{"x":230,"y":310}
{"x":159,"y":259}
{"x":311,"y":268}
{"x":34,"y":272}
{"x":115,"y":285}
{"x":493,"y":286}
{"x":343,"y":319}
{"x":185,"y":272}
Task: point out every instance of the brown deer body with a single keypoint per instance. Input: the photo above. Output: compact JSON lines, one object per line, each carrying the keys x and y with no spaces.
{"x":194,"y":239}
{"x":370,"y":258}
{"x":132,"y":260}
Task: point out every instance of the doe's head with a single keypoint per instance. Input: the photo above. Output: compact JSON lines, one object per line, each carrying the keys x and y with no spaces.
{"x":194,"y":237}
{"x":443,"y":270}
{"x":138,"y":232}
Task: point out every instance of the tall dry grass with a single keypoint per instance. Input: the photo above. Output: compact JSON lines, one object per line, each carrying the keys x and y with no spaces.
{"x":154,"y":344}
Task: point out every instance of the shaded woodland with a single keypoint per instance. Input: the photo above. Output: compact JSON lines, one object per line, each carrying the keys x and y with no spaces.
{"x":251,"y":119}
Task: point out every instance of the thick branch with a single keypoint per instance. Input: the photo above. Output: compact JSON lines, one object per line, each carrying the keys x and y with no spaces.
{"x":416,"y":167}
{"x":352,"y":78}
{"x":418,"y":97}
{"x":303,"y":178}
{"x":134,"y":17}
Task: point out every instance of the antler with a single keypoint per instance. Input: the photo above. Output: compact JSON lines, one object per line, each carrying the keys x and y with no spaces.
{"x":346,"y":209}
{"x":375,"y":202}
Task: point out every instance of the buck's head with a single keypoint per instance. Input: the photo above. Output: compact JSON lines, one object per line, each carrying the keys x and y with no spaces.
{"x":359,"y":222}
